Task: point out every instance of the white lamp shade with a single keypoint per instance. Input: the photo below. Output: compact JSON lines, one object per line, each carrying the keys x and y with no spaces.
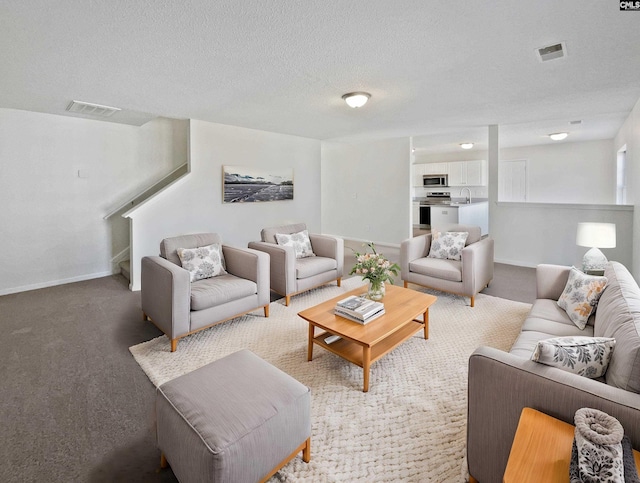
{"x":356,"y":99}
{"x":599,"y":235}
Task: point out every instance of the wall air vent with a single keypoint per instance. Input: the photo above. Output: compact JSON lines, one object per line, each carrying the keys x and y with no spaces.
{"x":575,"y":123}
{"x":551,"y":52}
{"x":89,"y":109}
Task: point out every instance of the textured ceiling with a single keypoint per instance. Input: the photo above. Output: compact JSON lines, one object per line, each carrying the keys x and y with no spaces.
{"x":431,"y":66}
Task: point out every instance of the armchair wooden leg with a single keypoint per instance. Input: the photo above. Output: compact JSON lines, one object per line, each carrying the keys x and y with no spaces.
{"x":163,"y":461}
{"x":472,"y":479}
{"x":473,"y":300}
{"x":145,"y":317}
{"x":339,"y":281}
{"x":306,"y":451}
{"x":266,"y":310}
{"x":287,"y":300}
{"x":174,"y":345}
{"x":406,"y":284}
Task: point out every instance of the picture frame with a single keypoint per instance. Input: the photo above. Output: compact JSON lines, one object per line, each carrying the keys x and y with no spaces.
{"x":248,"y":184}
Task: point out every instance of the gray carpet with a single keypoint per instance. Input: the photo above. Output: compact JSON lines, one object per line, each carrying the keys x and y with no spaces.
{"x":75,"y":406}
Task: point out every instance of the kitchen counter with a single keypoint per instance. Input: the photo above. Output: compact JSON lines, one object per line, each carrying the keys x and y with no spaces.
{"x":455,"y":202}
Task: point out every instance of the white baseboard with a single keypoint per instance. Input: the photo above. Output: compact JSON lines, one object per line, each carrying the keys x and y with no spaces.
{"x":53,"y":283}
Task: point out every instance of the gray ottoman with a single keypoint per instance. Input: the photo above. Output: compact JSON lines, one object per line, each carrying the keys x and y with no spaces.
{"x":238,"y":419}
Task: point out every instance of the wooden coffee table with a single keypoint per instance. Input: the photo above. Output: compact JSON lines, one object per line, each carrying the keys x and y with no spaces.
{"x":364,"y":344}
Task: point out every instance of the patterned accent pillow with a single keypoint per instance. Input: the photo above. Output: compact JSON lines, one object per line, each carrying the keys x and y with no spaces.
{"x":203,"y":262}
{"x":447,"y":246}
{"x":585,"y":356}
{"x":299,"y":241}
{"x":581,"y":295}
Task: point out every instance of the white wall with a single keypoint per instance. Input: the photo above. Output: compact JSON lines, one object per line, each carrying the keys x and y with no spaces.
{"x":527,"y":234}
{"x":366,"y":190}
{"x":194,"y":203}
{"x":568,"y":172}
{"x":629,"y":135}
{"x":51,"y":222}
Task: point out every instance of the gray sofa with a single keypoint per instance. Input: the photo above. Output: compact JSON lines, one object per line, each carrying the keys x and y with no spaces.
{"x":179,"y":307}
{"x":501,"y":384}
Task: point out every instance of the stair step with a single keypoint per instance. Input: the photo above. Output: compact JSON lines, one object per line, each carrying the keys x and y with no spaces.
{"x":125,"y":269}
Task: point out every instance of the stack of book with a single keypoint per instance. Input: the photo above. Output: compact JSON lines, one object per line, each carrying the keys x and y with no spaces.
{"x":359,"y":309}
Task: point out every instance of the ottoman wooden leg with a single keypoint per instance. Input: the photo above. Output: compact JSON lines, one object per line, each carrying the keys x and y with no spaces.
{"x":163,"y":461}
{"x":306,"y":452}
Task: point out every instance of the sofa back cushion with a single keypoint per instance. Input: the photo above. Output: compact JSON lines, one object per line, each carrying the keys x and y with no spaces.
{"x":269,"y":234}
{"x":618,"y":316}
{"x":169,"y":246}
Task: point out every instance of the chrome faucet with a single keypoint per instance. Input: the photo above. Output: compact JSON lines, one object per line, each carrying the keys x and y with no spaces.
{"x":468,"y":200}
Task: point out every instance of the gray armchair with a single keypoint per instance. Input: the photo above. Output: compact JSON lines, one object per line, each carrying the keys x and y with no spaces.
{"x":179,"y":307}
{"x":289,"y":275}
{"x":464,"y":277}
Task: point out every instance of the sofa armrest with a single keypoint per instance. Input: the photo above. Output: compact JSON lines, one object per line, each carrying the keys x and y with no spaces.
{"x":251,"y":265}
{"x":502,"y":384}
{"x":411,"y":249}
{"x":330,"y":247}
{"x":551,"y":280}
{"x":166,"y":295}
{"x":477,"y":265}
{"x":282,"y":266}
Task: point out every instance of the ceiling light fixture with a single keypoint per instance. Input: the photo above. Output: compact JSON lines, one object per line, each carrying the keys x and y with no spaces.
{"x":356,"y":99}
{"x":558,"y":136}
{"x":466,"y":145}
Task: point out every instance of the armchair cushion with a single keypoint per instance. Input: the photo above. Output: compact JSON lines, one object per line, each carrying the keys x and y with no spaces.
{"x":434,"y":267}
{"x":448,"y":246}
{"x":269,"y":234}
{"x":202,"y":262}
{"x":299,"y":241}
{"x":216,"y":291}
{"x":169,"y":246}
{"x":308,"y":267}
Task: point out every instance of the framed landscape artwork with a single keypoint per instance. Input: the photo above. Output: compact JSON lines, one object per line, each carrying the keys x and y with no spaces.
{"x":242,"y":184}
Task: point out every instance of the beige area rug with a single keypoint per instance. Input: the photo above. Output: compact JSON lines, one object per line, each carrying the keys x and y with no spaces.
{"x":409,"y":427}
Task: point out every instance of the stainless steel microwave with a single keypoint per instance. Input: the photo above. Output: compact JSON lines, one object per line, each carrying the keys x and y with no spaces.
{"x":435,"y":180}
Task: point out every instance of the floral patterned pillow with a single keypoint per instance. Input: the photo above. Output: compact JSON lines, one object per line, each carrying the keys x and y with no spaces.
{"x":585,"y":356}
{"x":448,"y":246}
{"x":299,"y":241}
{"x":203,"y":262}
{"x":581,"y":295}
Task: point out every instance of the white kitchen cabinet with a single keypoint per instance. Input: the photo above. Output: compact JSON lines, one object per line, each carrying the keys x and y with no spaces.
{"x":443,"y":215}
{"x":468,"y":173}
{"x":475,"y":214}
{"x":417,"y":170}
{"x":416,"y":213}
{"x":435,"y":168}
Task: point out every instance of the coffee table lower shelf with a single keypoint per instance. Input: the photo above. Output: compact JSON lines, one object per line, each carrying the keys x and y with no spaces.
{"x":353,"y":351}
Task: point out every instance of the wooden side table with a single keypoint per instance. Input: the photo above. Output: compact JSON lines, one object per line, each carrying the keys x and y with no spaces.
{"x":541,"y":450}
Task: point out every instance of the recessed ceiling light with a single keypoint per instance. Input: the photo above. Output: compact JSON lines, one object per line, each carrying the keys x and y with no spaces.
{"x":356,"y":99}
{"x":466,"y":145}
{"x":558,"y":136}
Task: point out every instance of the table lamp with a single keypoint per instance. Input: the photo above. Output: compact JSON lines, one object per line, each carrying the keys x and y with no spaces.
{"x":596,"y":236}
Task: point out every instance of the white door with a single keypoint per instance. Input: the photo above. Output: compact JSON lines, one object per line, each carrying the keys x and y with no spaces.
{"x":512,"y":180}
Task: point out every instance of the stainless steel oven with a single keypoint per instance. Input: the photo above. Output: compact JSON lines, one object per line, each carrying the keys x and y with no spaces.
{"x":435,"y":180}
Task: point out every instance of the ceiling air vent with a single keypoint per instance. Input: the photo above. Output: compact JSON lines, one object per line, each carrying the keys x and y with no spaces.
{"x":551,"y":52}
{"x":89,"y":109}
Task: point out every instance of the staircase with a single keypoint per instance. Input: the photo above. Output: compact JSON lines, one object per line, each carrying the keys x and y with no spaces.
{"x":125,"y":269}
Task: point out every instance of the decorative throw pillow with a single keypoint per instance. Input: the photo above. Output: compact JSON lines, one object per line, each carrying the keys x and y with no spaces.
{"x":581,"y":295}
{"x":203,"y":262}
{"x":585,"y":356}
{"x":299,"y":241}
{"x":448,"y":246}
